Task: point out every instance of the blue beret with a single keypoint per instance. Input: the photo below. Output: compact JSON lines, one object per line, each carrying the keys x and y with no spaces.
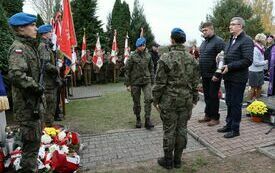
{"x":20,"y":19}
{"x":178,"y":31}
{"x":140,"y":41}
{"x":45,"y":29}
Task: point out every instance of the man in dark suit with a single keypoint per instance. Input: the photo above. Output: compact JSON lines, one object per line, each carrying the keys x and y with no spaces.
{"x":238,"y":57}
{"x":211,"y":81}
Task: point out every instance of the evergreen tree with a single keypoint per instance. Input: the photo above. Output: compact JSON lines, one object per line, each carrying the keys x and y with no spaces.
{"x":109,"y":32}
{"x":138,"y":22}
{"x":6,"y":39}
{"x":227,"y":9}
{"x":39,"y":21}
{"x":12,"y":7}
{"x":120,"y":21}
{"x":84,"y":17}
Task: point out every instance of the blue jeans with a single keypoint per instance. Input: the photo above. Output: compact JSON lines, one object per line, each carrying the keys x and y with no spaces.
{"x":234,"y":97}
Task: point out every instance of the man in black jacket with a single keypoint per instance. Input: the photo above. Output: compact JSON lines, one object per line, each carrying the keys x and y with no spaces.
{"x":210,"y":47}
{"x":238,"y":57}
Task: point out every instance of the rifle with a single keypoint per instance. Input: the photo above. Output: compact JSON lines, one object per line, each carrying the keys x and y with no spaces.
{"x":40,"y":84}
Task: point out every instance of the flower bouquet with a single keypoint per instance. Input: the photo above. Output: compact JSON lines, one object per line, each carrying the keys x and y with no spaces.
{"x":58,"y":151}
{"x":257,"y":109}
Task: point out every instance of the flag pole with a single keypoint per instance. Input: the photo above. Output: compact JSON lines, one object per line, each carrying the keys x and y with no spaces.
{"x":141,"y":32}
{"x":114,"y":70}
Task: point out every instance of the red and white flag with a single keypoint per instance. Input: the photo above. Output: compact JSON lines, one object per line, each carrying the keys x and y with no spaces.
{"x":84,"y":47}
{"x":114,"y":49}
{"x":73,"y":65}
{"x":98,"y":54}
{"x":68,"y":38}
{"x":126,"y":50}
{"x":56,"y":37}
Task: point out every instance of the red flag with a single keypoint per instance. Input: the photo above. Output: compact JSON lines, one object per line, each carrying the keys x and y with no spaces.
{"x":114,"y":50}
{"x":68,"y":39}
{"x":126,"y":50}
{"x":98,"y":54}
{"x":84,"y":47}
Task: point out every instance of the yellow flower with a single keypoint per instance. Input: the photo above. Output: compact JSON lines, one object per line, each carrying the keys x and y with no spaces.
{"x":51,"y":131}
{"x":257,"y":108}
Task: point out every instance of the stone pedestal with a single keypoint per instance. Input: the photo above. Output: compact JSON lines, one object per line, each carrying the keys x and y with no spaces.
{"x":3,"y":124}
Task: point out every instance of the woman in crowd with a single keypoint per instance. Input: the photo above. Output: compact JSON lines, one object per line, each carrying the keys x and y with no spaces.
{"x":256,"y":70}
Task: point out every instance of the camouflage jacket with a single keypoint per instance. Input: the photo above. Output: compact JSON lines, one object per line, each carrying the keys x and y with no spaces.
{"x":24,"y":75}
{"x":139,"y":69}
{"x":51,"y":71}
{"x":176,"y":80}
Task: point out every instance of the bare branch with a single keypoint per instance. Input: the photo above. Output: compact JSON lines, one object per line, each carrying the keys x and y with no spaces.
{"x":44,"y":8}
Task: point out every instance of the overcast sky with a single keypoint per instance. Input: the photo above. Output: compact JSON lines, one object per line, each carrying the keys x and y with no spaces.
{"x":163,"y":15}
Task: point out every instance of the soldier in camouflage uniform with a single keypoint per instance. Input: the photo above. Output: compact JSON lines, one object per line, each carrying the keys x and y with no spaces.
{"x":174,"y":94}
{"x":51,"y":73}
{"x":139,"y":71}
{"x":24,"y":76}
{"x":87,"y":69}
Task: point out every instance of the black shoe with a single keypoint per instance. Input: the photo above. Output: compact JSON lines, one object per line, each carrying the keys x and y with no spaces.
{"x":177,"y":163}
{"x":57,"y":119}
{"x":231,"y":134}
{"x":138,"y":123}
{"x":148,"y":124}
{"x":165,"y":163}
{"x":224,"y":129}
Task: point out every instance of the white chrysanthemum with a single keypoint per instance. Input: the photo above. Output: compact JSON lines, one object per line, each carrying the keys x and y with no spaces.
{"x":61,"y":135}
{"x":46,"y":139}
{"x":53,"y":148}
{"x":65,"y":149}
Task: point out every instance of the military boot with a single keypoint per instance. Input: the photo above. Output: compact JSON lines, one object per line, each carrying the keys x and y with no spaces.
{"x":165,"y":162}
{"x":138,"y":122}
{"x":57,"y":117}
{"x":148,"y":124}
{"x":177,"y":162}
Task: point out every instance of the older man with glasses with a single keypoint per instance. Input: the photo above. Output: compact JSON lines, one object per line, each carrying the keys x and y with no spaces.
{"x":238,"y":57}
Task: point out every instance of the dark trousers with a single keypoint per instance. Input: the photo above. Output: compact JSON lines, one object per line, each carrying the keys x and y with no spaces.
{"x":234,"y":98}
{"x":211,"y":98}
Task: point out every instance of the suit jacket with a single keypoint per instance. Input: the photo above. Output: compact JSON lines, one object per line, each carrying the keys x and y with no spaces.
{"x":238,"y":57}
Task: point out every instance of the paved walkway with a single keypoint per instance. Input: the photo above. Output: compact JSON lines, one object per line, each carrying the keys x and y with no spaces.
{"x":97,"y":90}
{"x":85,"y":92}
{"x":134,"y":145}
{"x":252,"y":136}
{"x":128,"y":147}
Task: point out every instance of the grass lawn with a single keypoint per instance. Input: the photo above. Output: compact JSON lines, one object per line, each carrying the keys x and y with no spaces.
{"x":112,"y":111}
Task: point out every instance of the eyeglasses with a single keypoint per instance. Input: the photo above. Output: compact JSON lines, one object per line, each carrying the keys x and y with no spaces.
{"x":233,"y":24}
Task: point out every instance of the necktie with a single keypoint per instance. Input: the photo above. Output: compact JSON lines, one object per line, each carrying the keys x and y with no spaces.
{"x":233,"y":41}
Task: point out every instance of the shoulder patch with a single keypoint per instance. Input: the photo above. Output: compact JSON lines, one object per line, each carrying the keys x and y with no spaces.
{"x":18,"y":51}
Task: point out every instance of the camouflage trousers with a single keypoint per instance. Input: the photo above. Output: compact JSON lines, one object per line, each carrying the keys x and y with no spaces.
{"x":87,"y":76}
{"x":175,"y":132}
{"x":136,"y":93}
{"x":51,"y":101}
{"x":116,"y":75}
{"x":31,"y":133}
